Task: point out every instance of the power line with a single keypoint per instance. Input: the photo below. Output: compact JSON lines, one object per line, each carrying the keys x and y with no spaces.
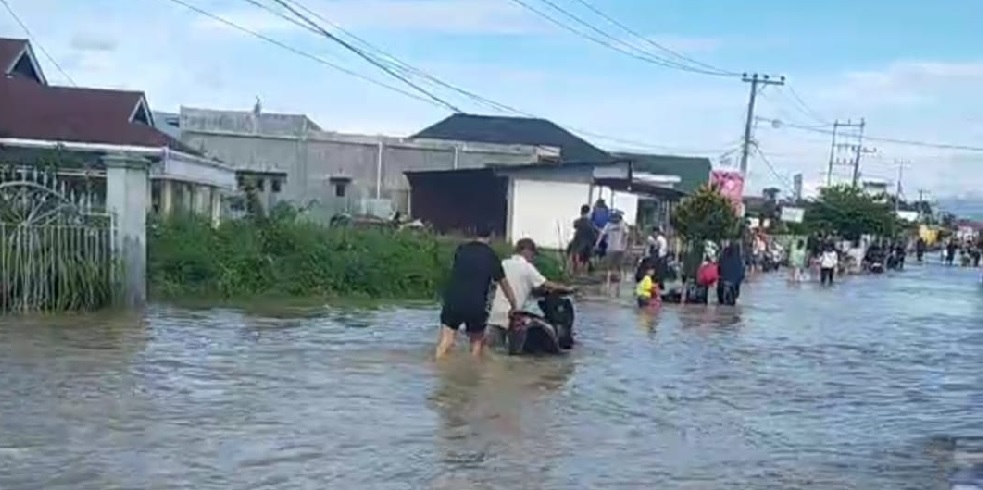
{"x":655,"y":44}
{"x":300,"y":52}
{"x":311,"y":25}
{"x":767,"y":162}
{"x":805,"y":109}
{"x":35,"y":42}
{"x":640,"y":55}
{"x":372,"y":61}
{"x":389,"y":59}
{"x":899,"y":141}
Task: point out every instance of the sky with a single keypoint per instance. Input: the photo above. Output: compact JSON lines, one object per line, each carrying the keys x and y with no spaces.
{"x":912,"y":69}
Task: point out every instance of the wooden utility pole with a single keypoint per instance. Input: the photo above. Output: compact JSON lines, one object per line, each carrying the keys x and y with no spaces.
{"x":757,"y":82}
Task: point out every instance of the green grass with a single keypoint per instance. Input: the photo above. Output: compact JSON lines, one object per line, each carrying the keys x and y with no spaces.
{"x":285,"y":260}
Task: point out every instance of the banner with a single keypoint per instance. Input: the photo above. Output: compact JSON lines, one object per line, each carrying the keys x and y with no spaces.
{"x":792,"y":215}
{"x":731,"y":185}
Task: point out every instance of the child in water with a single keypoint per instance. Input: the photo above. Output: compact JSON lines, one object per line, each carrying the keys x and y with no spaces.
{"x":647,"y":290}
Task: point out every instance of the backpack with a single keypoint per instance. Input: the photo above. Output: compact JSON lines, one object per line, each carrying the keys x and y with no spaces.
{"x":707,"y":274}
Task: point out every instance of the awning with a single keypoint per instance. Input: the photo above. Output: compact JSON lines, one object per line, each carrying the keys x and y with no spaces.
{"x":642,"y":188}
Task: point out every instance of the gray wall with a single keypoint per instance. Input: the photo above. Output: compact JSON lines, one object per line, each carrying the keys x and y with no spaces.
{"x":310,"y":161}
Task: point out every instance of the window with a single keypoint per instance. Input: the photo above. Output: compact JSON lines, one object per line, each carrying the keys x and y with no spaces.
{"x":260,"y":184}
{"x":339,"y":189}
{"x":241,"y":181}
{"x":276,"y":185}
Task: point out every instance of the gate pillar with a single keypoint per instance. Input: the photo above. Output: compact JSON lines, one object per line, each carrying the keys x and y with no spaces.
{"x":126,"y":200}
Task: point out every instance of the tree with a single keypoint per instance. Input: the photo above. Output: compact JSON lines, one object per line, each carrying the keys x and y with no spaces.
{"x":706,"y":215}
{"x":849,"y":212}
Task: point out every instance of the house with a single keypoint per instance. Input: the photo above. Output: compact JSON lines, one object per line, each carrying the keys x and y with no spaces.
{"x":335,"y":172}
{"x":690,"y":174}
{"x":102,"y":143}
{"x":536,"y":201}
{"x":508,"y":130}
{"x":81,"y":125}
{"x":268,"y":183}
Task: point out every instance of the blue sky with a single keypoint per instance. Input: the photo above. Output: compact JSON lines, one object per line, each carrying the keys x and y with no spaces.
{"x":914,"y":69}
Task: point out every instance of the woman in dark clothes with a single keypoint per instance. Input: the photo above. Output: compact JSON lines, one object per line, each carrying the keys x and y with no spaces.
{"x":732,"y":273}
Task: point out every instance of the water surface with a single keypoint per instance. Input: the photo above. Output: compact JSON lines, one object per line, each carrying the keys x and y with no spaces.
{"x":867,"y":385}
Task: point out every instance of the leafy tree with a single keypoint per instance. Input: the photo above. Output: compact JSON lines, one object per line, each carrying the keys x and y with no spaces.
{"x":850,"y":212}
{"x":948,"y":220}
{"x":706,"y":215}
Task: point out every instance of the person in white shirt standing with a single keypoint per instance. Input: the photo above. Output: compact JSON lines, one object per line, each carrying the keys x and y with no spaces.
{"x":616,"y":233}
{"x":524,"y":277}
{"x":828,"y":261}
{"x":659,"y":250}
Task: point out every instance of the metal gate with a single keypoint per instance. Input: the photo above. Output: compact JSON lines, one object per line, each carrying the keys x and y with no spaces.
{"x":56,"y":247}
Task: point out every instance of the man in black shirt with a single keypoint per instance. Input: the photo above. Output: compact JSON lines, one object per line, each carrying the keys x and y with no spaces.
{"x":584,"y":238}
{"x":466,"y":299}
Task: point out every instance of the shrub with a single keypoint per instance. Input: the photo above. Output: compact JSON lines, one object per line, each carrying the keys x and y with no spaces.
{"x":284,"y":257}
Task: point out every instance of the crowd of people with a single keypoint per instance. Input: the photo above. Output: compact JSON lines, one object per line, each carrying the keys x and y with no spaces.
{"x":602,"y":238}
{"x":969,"y":251}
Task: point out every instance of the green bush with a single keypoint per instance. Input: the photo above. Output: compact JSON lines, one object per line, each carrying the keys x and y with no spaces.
{"x":284,"y":257}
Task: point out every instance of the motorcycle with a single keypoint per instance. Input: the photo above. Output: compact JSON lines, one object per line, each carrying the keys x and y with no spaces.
{"x":548,"y":334}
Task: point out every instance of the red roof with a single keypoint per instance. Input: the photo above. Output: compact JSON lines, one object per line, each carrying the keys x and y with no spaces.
{"x":32,"y":111}
{"x":9,"y":49}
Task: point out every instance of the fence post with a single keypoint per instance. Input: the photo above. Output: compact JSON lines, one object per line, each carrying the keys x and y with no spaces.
{"x":126,"y":200}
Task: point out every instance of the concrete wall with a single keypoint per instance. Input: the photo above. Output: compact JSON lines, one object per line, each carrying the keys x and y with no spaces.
{"x":310,"y":157}
{"x":545,"y":210}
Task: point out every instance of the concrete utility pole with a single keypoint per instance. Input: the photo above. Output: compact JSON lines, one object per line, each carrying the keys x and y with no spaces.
{"x":860,"y":151}
{"x":898,"y":187}
{"x":921,"y":205}
{"x":834,"y":146}
{"x":757,"y":82}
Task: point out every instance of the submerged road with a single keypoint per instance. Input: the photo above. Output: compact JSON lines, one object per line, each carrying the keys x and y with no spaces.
{"x":871,"y":384}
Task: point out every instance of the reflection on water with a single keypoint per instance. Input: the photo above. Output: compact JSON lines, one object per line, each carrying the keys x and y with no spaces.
{"x":875,"y":383}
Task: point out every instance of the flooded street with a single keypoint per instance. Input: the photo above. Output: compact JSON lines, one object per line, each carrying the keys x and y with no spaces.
{"x":863,"y":386}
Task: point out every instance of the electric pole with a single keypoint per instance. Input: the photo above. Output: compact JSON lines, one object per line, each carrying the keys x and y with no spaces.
{"x":757,"y":82}
{"x":921,"y":205}
{"x":832,"y":155}
{"x":834,"y":147}
{"x":860,"y":151}
{"x":898,"y":187}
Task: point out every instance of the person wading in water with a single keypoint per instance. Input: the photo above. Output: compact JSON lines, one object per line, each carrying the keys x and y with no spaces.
{"x":525,"y":278}
{"x":582,"y":245}
{"x":475,"y":268}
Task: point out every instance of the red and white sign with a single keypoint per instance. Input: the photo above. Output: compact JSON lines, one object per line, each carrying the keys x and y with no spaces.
{"x":730,"y":184}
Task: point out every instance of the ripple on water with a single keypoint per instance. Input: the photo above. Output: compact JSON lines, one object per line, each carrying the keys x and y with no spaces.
{"x":871,"y":384}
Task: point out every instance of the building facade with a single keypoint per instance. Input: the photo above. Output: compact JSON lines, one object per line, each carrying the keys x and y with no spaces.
{"x":333,"y":171}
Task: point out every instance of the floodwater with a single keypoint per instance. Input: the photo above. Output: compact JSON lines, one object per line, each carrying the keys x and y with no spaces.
{"x":871,"y":384}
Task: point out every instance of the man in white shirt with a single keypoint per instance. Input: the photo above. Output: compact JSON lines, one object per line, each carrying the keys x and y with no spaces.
{"x":524,"y":277}
{"x":659,"y":244}
{"x":659,"y":250}
{"x":616,"y":232}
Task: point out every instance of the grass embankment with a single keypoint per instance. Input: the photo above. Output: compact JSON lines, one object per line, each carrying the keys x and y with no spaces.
{"x":288,"y":260}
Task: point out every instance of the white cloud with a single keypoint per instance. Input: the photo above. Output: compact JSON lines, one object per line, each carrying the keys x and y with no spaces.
{"x":92,"y":41}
